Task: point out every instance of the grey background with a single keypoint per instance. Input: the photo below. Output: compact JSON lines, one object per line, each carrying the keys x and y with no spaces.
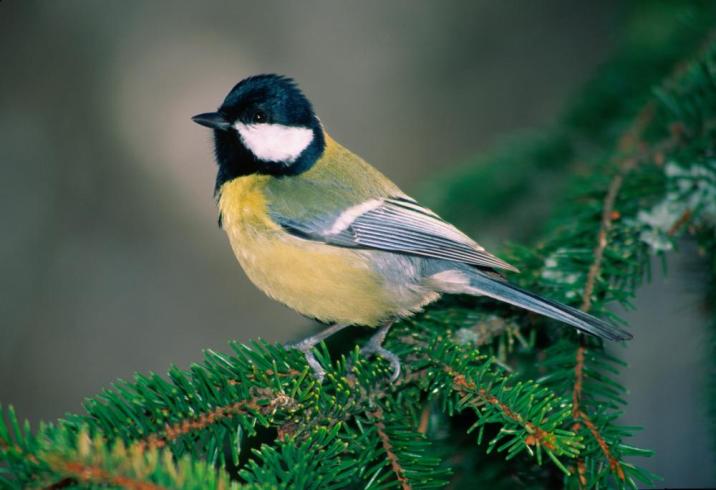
{"x":111,"y":261}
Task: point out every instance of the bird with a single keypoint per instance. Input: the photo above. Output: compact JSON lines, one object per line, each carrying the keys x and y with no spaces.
{"x":317,"y":228}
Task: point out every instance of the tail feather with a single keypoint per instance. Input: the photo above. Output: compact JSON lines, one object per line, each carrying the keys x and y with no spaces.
{"x":482,"y":284}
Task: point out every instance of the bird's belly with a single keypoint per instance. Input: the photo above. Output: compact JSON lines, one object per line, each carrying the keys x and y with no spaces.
{"x":327,"y":283}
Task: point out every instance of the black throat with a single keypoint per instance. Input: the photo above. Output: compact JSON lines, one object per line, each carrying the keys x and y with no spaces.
{"x":235,"y":160}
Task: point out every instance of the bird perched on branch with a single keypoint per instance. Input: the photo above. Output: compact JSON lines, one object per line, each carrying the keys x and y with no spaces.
{"x":317,"y":228}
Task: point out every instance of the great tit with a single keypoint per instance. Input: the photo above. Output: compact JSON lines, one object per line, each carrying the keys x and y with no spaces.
{"x":317,"y":228}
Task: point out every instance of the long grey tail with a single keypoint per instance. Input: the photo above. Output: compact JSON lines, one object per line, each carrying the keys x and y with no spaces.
{"x":482,"y":284}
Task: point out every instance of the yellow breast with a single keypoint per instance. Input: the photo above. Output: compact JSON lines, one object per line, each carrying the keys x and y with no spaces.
{"x":329,"y":283}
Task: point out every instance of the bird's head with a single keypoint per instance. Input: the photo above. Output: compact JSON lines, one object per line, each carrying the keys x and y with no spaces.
{"x":265,"y":125}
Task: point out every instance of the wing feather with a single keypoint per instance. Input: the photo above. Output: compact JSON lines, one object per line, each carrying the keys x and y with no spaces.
{"x":398,"y":225}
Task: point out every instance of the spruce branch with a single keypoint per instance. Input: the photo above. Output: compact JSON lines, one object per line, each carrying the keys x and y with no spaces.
{"x":319,"y":462}
{"x":385,"y":441}
{"x":634,"y":149}
{"x":58,"y":457}
{"x":603,"y":239}
{"x":529,"y":414}
{"x":198,"y":411}
{"x":629,"y":145}
{"x":404,"y":457}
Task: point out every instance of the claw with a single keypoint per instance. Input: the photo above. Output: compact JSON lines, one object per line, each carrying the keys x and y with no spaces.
{"x":375,"y":346}
{"x":392,"y":358}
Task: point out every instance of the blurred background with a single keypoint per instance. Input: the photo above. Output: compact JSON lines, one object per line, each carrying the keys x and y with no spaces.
{"x":111,"y":261}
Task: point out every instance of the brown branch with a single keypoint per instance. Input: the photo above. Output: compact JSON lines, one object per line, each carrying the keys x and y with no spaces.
{"x":183,"y":427}
{"x":79,"y":472}
{"x":604,"y":228}
{"x":75,"y":471}
{"x":614,"y":464}
{"x":582,"y":472}
{"x":377,"y":417}
{"x":64,"y":483}
{"x":536,"y":435}
{"x":277,"y":401}
{"x":217,"y":415}
{"x":424,"y":419}
{"x":632,"y":153}
{"x":628,"y":147}
{"x":7,"y":446}
{"x":578,"y":382}
{"x":629,"y":144}
{"x":683,"y":219}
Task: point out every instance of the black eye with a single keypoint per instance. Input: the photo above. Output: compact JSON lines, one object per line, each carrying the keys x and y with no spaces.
{"x":258,"y":117}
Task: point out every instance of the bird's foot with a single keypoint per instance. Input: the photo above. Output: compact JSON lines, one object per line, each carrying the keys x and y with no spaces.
{"x":306,"y":346}
{"x":375,"y":347}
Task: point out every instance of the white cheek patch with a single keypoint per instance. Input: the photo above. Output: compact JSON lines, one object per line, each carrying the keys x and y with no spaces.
{"x":275,"y":142}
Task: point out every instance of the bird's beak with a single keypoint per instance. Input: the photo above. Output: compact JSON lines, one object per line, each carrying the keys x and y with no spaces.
{"x":212,"y":120}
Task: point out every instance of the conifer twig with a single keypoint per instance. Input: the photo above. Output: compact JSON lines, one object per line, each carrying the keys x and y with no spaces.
{"x":467,"y":388}
{"x":628,"y":144}
{"x":679,"y":223}
{"x":82,"y":473}
{"x":377,"y":417}
{"x":632,"y":151}
{"x":424,"y":419}
{"x":216,"y":415}
{"x":614,"y":464}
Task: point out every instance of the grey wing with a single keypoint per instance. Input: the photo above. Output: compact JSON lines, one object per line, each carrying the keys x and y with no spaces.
{"x":396,"y":225}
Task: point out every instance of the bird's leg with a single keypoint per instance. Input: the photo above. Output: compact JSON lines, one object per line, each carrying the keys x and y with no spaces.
{"x":375,"y":346}
{"x":306,"y":346}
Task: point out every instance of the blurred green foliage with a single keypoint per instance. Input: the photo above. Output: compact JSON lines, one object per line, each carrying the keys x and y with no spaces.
{"x":525,"y":169}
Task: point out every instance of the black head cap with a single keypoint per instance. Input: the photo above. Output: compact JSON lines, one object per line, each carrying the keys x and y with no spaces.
{"x":265,"y":125}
